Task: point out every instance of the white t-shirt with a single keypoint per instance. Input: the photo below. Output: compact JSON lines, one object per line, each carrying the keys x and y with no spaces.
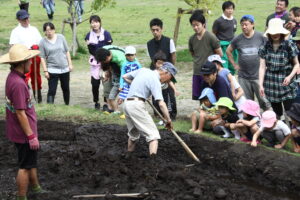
{"x":27,"y":36}
{"x":280,"y":126}
{"x":242,"y":99}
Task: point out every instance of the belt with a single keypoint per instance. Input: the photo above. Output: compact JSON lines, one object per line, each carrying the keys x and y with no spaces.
{"x":136,"y":98}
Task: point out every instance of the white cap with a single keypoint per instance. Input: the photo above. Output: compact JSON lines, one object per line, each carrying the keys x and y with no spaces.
{"x":130,"y":50}
{"x":215,"y":57}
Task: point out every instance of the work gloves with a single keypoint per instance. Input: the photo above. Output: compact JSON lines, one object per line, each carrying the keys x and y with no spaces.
{"x":34,"y":143}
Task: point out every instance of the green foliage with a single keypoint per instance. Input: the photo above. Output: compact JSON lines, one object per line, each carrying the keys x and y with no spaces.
{"x":100,"y":4}
{"x":184,"y":56}
{"x":206,"y":5}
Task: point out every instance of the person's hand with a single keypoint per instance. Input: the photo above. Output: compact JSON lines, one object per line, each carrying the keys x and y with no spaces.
{"x":120,"y":101}
{"x":120,"y":89}
{"x":261,"y":91}
{"x":71,"y":68}
{"x":34,"y":143}
{"x":169,"y":125}
{"x":286,"y":81}
{"x":278,"y":146}
{"x":232,"y":126}
{"x":239,"y":121}
{"x":254,"y":143}
{"x":47,"y":76}
{"x":296,"y":150}
{"x":177,"y":93}
{"x":236,"y":66}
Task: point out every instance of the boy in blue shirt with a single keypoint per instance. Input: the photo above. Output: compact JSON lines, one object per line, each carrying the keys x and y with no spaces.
{"x":130,"y":65}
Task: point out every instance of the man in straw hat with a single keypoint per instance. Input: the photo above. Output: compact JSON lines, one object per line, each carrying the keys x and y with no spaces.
{"x":21,"y":122}
{"x":278,"y":67}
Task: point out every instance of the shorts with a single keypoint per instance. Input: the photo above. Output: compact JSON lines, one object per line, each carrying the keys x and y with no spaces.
{"x":114,"y":91}
{"x":27,"y":158}
{"x":107,"y":86}
{"x":139,"y":121}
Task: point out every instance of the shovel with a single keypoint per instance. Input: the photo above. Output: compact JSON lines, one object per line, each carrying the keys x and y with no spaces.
{"x":183,"y":144}
{"x":127,"y":195}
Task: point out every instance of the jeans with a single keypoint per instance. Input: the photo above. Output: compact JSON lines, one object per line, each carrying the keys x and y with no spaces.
{"x":64,"y":83}
{"x":79,"y":8}
{"x":49,"y":7}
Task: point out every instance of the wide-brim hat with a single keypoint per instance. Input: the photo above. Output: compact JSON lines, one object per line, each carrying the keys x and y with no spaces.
{"x":294,"y":112}
{"x":209,"y":93}
{"x":18,"y":53}
{"x":275,"y":26}
{"x":268,"y":119}
{"x":251,"y":108}
{"x":226,"y":102}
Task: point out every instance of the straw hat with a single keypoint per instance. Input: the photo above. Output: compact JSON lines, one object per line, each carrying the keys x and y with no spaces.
{"x":18,"y":53}
{"x":275,"y":26}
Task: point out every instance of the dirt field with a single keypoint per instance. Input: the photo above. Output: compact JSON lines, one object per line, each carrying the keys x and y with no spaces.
{"x":89,"y":159}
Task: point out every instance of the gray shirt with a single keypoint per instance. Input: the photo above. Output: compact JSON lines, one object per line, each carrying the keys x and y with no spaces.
{"x":55,"y":54}
{"x":145,"y":83}
{"x":248,"y":54}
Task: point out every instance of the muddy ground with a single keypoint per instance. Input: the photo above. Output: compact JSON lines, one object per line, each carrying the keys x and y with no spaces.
{"x":89,"y":159}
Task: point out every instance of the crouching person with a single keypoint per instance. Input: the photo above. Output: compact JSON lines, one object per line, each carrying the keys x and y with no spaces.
{"x":144,"y":83}
{"x":294,"y":114}
{"x":21,"y":122}
{"x":273,"y":130}
{"x":202,"y":117}
{"x":229,"y":117}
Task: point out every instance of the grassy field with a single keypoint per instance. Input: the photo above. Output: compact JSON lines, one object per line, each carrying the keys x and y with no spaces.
{"x":128,"y":23}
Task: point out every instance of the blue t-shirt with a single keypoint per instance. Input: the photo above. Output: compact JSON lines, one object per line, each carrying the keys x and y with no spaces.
{"x":224,"y":74}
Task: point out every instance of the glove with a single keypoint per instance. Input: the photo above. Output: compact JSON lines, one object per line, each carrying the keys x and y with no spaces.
{"x":34,"y":143}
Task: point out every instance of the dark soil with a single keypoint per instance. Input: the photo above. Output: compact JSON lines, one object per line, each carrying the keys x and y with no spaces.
{"x":89,"y":159}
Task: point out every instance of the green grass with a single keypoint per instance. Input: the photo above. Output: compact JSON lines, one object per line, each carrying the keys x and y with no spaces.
{"x":184,"y":56}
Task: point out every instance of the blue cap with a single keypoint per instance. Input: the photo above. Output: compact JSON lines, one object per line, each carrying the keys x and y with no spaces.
{"x":22,"y":14}
{"x":248,"y":17}
{"x":209,"y":93}
{"x":169,"y":67}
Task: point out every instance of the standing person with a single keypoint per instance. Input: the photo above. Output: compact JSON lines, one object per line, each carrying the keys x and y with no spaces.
{"x":201,"y":45}
{"x":23,"y":4}
{"x":49,"y":5}
{"x":79,"y":8}
{"x":95,"y":39}
{"x":278,"y":67}
{"x":56,"y":62}
{"x":280,"y":12}
{"x":145,"y":82}
{"x":224,"y":28}
{"x":29,"y":36}
{"x":248,"y":44}
{"x":21,"y":122}
{"x":296,"y":40}
{"x":160,"y":43}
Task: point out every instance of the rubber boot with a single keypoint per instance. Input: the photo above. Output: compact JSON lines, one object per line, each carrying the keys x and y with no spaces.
{"x":39,"y":96}
{"x":49,"y":16}
{"x":50,"y":99}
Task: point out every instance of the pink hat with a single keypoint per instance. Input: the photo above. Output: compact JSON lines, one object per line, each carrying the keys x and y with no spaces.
{"x":268,"y":119}
{"x":251,"y":108}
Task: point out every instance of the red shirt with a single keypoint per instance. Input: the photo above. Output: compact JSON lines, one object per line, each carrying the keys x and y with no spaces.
{"x":18,"y":98}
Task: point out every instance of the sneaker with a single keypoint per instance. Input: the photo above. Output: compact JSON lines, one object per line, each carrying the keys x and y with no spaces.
{"x":105,"y":107}
{"x":116,"y":112}
{"x":161,"y":123}
{"x":122,"y":116}
{"x":97,"y":106}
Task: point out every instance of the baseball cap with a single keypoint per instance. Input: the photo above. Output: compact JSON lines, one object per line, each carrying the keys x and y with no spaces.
{"x":248,"y":17}
{"x":130,"y":50}
{"x":167,"y":66}
{"x":208,"y":68}
{"x":22,"y":14}
{"x":215,"y":57}
{"x":268,"y":119}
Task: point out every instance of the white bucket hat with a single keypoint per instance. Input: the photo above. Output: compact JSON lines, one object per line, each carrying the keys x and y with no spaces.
{"x":18,"y":53}
{"x":215,"y":57}
{"x":275,"y":26}
{"x":130,"y":50}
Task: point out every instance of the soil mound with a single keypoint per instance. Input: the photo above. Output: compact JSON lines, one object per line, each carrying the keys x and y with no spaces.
{"x":89,"y":159}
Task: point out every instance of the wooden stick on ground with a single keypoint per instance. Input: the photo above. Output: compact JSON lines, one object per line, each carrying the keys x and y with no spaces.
{"x":130,"y":195}
{"x":183,"y":144}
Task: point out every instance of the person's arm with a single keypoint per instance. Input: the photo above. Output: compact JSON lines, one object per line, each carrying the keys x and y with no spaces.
{"x":43,"y":62}
{"x":219,"y":51}
{"x":239,"y":94}
{"x":249,"y":123}
{"x":232,"y":87}
{"x":254,"y":139}
{"x":229,"y":51}
{"x":165,"y":111}
{"x":191,"y":47}
{"x":288,"y":79}
{"x":261,"y":76}
{"x":24,"y":123}
{"x":121,"y":77}
{"x":69,"y":61}
{"x":283,"y":143}
{"x":173,"y":58}
{"x":173,"y":51}
{"x":173,"y":87}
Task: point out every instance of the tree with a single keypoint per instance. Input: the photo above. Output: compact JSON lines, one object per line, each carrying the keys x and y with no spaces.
{"x":96,"y":5}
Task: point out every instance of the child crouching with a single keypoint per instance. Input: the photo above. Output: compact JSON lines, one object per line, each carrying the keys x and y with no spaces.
{"x":202,"y":117}
{"x":294,"y":114}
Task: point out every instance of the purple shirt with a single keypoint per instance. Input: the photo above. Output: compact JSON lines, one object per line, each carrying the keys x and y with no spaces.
{"x":18,"y":98}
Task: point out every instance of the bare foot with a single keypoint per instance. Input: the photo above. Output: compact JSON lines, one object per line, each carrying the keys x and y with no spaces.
{"x":198,"y":131}
{"x":192,"y":130}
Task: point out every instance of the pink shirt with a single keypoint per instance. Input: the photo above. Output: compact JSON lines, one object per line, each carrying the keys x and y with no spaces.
{"x":18,"y":98}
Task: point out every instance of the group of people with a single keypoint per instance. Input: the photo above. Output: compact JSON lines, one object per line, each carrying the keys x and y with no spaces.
{"x":267,"y":67}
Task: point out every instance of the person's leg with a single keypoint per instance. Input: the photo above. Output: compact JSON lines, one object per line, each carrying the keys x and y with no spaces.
{"x":65,"y":86}
{"x":48,"y":10}
{"x":197,"y":80}
{"x":131,"y":145}
{"x":172,"y":97}
{"x":95,"y":89}
{"x":201,"y":122}
{"x":153,"y":146}
{"x":22,"y":182}
{"x":246,"y":86}
{"x":279,"y":136}
{"x":78,"y":9}
{"x":52,"y":85}
{"x":52,"y":9}
{"x":287,"y":104}
{"x":270,"y":137}
{"x":194,"y":121}
{"x":277,"y":108}
{"x":263,"y":101}
{"x":107,"y":85}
